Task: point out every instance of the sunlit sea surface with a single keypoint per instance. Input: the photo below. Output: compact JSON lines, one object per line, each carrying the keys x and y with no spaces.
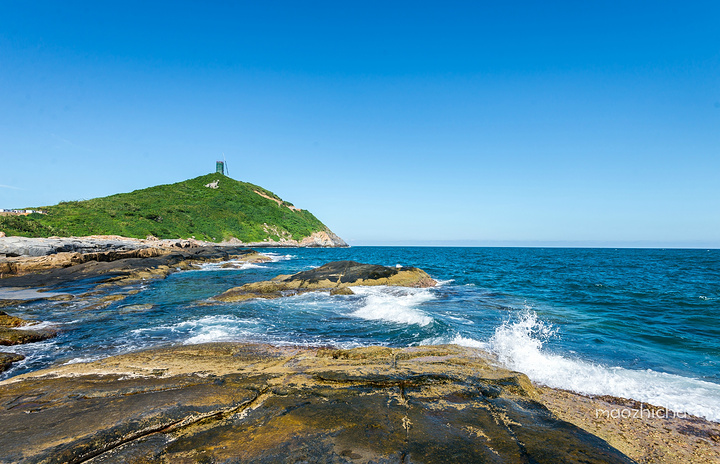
{"x":637,"y":323}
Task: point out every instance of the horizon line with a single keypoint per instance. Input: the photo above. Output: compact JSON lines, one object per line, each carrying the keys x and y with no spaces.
{"x":627,"y":244}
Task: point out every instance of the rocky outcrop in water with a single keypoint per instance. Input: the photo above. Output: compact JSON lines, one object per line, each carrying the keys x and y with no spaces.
{"x":249,"y":403}
{"x":334,"y":277}
{"x":6,"y":360}
{"x":16,"y":331}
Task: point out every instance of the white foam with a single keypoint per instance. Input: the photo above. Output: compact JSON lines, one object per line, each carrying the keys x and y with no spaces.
{"x":37,"y":326}
{"x":456,"y":340}
{"x":393,"y":304}
{"x":80,"y":360}
{"x":211,"y":334}
{"x":519,"y":346}
{"x":277,"y":257}
{"x":232,"y":265}
{"x":206,"y":329}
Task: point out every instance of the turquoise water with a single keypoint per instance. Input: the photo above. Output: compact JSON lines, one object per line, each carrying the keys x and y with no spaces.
{"x":638,"y":323}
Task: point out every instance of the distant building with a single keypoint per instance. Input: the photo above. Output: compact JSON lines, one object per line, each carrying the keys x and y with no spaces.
{"x":19,"y":212}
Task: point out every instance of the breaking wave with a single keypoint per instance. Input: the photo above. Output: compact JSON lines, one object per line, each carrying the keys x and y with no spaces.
{"x":393,"y":304}
{"x":519,"y":344}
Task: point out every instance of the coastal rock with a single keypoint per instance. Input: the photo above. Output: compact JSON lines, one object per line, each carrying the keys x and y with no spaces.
{"x":253,"y":403}
{"x":16,"y":331}
{"x":330,"y":277}
{"x":646,"y":433}
{"x":24,"y":246}
{"x":114,"y":267}
{"x":321,"y":239}
{"x":28,"y":265}
{"x":7,"y":320}
{"x":20,"y":336}
{"x":6,"y":360}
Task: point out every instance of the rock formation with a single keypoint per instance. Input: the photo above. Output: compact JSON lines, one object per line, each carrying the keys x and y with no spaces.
{"x":113,"y":266}
{"x":16,"y":331}
{"x":259,"y":404}
{"x":27,"y":247}
{"x":6,"y":360}
{"x":334,"y":277}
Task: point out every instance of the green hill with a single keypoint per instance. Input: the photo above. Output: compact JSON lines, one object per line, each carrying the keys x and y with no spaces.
{"x":182,"y":210}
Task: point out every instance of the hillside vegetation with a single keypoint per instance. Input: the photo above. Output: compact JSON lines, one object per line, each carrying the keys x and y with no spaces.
{"x":180,"y":210}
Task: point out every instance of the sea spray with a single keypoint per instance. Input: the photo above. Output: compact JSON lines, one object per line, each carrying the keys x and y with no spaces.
{"x":519,"y":345}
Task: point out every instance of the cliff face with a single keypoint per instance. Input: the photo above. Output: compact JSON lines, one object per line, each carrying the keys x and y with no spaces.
{"x":324,"y":238}
{"x":211,"y":208}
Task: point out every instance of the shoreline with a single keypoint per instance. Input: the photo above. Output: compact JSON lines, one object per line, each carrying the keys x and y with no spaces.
{"x":298,"y":372}
{"x":16,"y":246}
{"x":644,"y":439}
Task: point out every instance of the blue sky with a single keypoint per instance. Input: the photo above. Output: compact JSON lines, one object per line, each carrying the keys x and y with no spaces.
{"x":412,"y":123}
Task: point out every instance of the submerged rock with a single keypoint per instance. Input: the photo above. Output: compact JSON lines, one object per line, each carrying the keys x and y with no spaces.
{"x":335,"y":277}
{"x":253,"y":403}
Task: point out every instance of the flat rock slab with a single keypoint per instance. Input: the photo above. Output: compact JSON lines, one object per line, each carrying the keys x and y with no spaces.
{"x":26,"y":246}
{"x":115,"y":266}
{"x":240,"y":403}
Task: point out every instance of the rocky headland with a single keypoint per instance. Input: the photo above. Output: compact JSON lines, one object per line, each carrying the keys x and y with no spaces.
{"x":213,"y":207}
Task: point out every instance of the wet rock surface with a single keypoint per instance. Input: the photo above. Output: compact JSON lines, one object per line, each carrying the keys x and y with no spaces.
{"x":255,"y":403}
{"x":334,"y":277}
{"x":6,"y":360}
{"x":16,"y":331}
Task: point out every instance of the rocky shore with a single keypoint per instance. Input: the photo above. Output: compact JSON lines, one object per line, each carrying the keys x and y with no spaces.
{"x":234,"y":402}
{"x":28,"y":247}
{"x":41,"y":269}
{"x":256,"y":403}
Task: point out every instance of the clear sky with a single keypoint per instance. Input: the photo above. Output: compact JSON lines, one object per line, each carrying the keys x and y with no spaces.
{"x":577,"y":122}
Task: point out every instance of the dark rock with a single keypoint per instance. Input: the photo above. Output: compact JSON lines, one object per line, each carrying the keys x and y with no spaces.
{"x":334,"y":277}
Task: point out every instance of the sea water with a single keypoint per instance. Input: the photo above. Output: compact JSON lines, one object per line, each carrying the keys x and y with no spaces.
{"x":636,"y":323}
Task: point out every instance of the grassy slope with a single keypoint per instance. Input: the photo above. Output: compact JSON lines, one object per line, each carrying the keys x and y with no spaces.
{"x":178,"y":210}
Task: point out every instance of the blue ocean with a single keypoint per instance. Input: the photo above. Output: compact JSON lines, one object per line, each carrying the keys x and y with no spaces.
{"x":636,"y":323}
